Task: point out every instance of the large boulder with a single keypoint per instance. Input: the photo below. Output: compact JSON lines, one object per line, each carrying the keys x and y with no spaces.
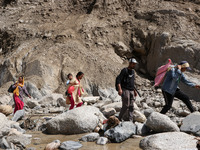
{"x":33,"y":90}
{"x":32,"y":103}
{"x":47,"y":72}
{"x":161,"y":123}
{"x":191,"y":124}
{"x":109,"y":93}
{"x":169,"y":141}
{"x":6,"y":109}
{"x":121,"y":132}
{"x":79,"y":120}
{"x":19,"y":114}
{"x":5,"y":99}
{"x":51,"y":99}
{"x":4,"y":121}
{"x":117,"y":106}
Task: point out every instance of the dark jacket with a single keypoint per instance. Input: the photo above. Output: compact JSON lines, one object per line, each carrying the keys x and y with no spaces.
{"x":126,"y":79}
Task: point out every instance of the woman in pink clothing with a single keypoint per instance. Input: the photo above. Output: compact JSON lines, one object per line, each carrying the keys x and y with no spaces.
{"x":19,"y":90}
{"x":75,"y":91}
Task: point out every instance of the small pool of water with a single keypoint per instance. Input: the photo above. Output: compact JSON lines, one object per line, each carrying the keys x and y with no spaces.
{"x":40,"y":140}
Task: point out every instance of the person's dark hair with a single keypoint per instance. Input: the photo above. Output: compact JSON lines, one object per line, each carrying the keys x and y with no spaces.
{"x":79,"y":74}
{"x":21,"y":77}
{"x":69,"y":75}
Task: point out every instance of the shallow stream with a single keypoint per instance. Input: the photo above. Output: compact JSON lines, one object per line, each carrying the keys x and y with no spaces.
{"x":40,"y":140}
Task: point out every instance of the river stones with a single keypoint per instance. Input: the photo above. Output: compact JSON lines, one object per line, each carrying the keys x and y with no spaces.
{"x":102,"y":140}
{"x":70,"y":145}
{"x":53,"y":145}
{"x":90,"y":137}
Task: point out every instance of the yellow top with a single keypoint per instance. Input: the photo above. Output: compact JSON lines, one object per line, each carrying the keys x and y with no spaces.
{"x":16,"y":91}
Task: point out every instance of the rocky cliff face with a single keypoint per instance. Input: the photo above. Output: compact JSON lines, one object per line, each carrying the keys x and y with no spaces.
{"x":46,"y":39}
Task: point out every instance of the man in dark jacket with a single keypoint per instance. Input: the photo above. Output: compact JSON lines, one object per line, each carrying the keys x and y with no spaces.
{"x":125,"y":85}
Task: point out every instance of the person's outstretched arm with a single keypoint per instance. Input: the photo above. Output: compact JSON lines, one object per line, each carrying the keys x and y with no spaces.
{"x":25,"y":91}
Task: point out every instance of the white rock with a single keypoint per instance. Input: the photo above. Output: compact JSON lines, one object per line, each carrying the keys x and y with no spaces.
{"x":91,"y":137}
{"x":79,"y":120}
{"x":161,"y":123}
{"x":169,"y":141}
{"x":138,"y":116}
{"x":92,"y":99}
{"x":102,"y":140}
{"x":5,"y":99}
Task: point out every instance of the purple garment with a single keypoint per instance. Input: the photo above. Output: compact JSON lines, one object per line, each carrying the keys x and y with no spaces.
{"x":22,"y":90}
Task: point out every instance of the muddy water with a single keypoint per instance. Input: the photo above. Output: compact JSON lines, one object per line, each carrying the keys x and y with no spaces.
{"x":40,"y":140}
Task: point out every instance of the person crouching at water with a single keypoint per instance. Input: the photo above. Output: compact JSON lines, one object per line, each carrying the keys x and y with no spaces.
{"x":170,"y":87}
{"x":75,"y":91}
{"x":20,"y":89}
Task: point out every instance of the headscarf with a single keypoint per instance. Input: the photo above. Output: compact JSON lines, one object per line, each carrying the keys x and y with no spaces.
{"x":16,"y":91}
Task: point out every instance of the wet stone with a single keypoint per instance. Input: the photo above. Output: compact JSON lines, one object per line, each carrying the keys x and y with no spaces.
{"x":70,"y":145}
{"x":102,"y":141}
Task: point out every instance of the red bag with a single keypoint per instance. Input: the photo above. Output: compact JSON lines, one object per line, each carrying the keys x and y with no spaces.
{"x":70,"y":90}
{"x":160,"y":74}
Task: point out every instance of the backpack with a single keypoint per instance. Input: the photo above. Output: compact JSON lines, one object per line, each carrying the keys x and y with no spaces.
{"x":161,"y":72}
{"x":125,"y":78}
{"x":11,"y":89}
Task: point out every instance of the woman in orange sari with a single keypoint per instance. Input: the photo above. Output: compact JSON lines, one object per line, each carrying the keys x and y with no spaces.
{"x":19,"y":90}
{"x":75,"y":91}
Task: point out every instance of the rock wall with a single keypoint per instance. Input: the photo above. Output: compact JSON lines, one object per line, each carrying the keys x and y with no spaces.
{"x":45,"y":40}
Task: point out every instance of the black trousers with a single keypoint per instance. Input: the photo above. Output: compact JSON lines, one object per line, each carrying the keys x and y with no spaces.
{"x":169,"y":100}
